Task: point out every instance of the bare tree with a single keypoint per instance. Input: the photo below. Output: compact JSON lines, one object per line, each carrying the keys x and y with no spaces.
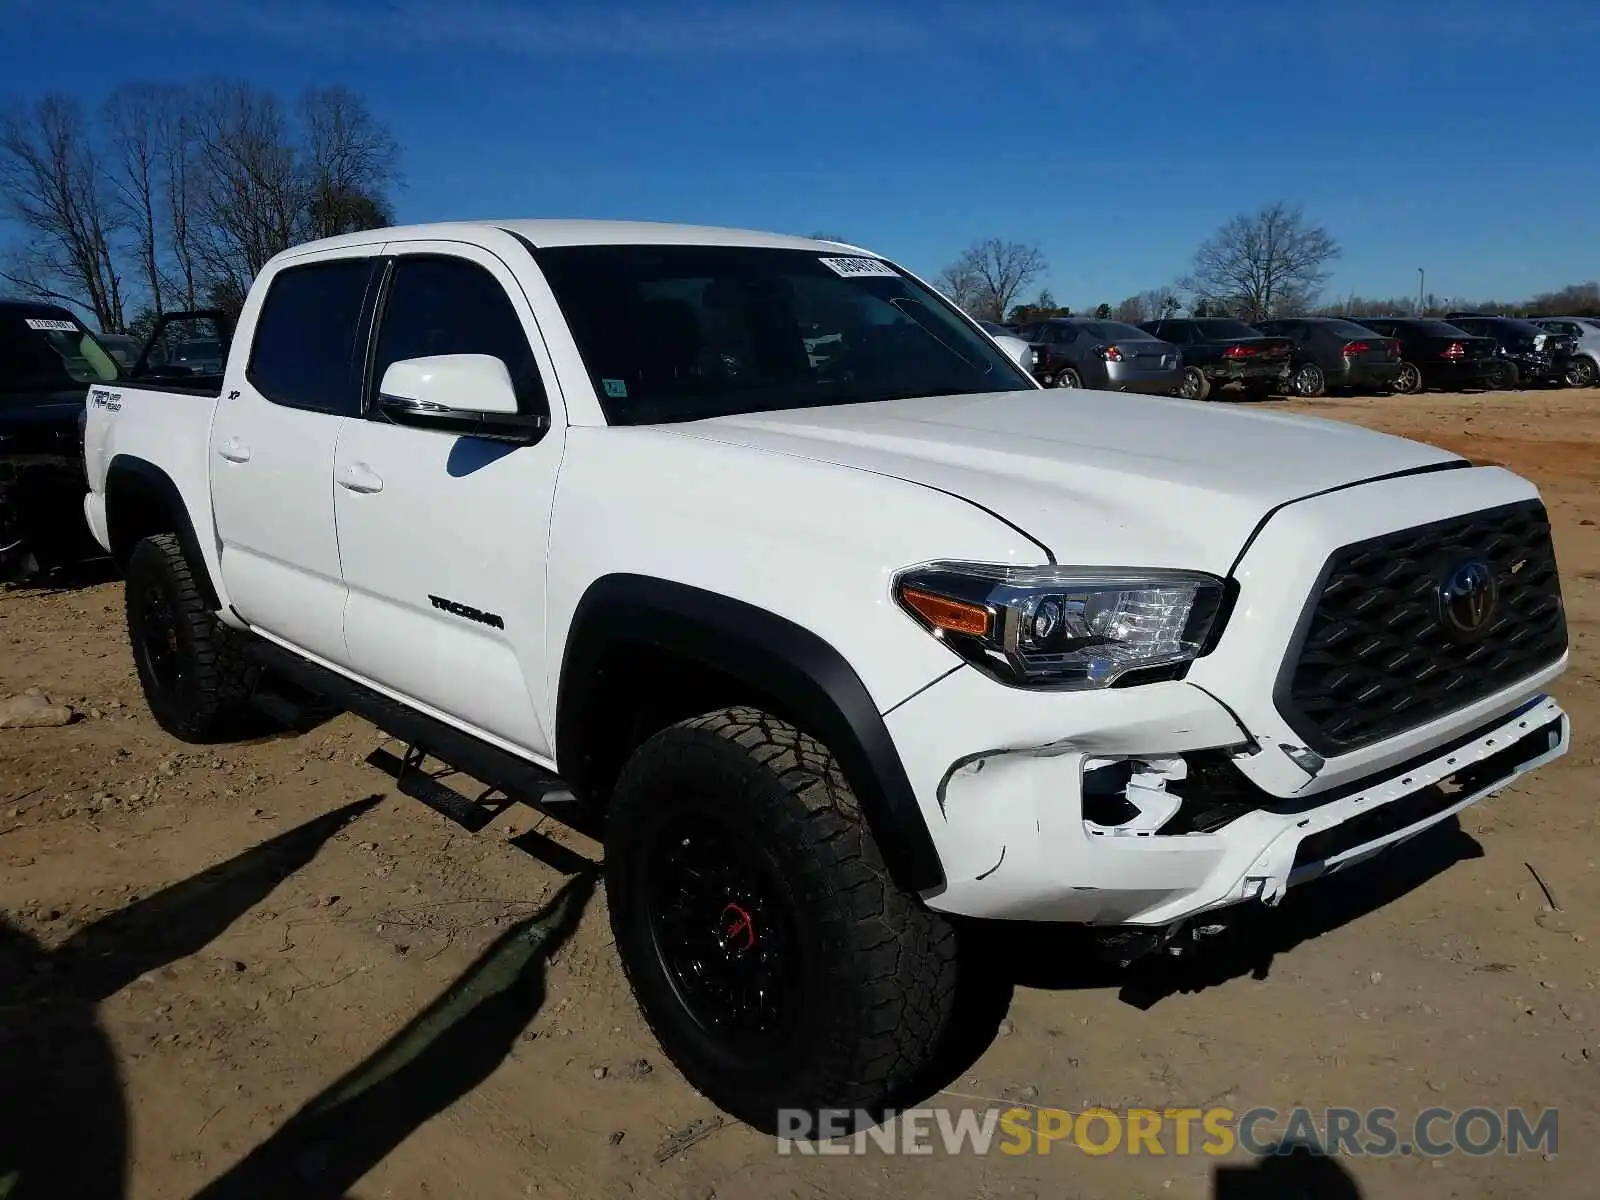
{"x":180,"y":179}
{"x":51,"y":185}
{"x":1264,"y":264}
{"x":248,"y":199}
{"x":348,"y":163}
{"x":960,"y":285}
{"x":1156,"y":304}
{"x":992,"y":274}
{"x":144,"y":124}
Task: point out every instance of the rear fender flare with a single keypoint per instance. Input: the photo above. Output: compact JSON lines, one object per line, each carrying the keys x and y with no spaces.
{"x":141,"y":500}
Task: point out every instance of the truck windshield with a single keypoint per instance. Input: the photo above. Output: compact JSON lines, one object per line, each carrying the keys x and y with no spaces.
{"x":42,"y":351}
{"x":682,"y":333}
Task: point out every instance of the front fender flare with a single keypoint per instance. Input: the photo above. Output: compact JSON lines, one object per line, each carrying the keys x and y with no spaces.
{"x":813,"y":684}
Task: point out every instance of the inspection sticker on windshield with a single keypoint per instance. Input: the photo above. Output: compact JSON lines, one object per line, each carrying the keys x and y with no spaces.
{"x":51,"y":326}
{"x":850,"y":268}
{"x":617,"y":389}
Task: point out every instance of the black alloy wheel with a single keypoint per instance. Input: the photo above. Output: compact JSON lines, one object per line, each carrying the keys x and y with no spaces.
{"x":725,"y":934}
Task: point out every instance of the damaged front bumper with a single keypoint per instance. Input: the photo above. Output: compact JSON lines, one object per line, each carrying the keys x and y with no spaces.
{"x":1145,"y":817}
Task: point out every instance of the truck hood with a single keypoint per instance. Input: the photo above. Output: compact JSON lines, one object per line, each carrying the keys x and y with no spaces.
{"x":1097,"y":478}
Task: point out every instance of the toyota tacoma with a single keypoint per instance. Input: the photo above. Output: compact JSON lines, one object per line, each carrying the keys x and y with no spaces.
{"x":833,"y":651}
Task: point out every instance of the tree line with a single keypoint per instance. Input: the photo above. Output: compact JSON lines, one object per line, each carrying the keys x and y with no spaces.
{"x":1270,"y":263}
{"x":169,"y":198}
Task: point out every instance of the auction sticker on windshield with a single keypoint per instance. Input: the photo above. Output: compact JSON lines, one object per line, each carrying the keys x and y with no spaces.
{"x":45,"y":326}
{"x":852,"y":267}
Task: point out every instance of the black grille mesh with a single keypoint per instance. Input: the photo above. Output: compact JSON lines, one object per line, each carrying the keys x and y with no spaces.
{"x":1377,"y":657}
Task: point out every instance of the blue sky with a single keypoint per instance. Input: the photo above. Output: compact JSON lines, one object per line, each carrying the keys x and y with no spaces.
{"x":1454,"y":135}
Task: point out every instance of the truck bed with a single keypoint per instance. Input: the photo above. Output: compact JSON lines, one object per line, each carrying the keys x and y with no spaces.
{"x":171,"y":437}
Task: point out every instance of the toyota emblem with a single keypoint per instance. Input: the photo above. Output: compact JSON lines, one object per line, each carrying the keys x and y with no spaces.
{"x":1468,"y":596}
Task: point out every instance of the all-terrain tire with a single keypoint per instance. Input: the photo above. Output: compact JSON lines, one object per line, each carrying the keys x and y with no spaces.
{"x":872,"y":983}
{"x":196,"y":676}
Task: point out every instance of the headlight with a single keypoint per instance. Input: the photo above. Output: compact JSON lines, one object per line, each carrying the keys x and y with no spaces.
{"x":1063,"y":627}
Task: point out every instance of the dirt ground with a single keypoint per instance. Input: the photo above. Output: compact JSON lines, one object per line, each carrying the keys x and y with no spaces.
{"x":259,"y":970}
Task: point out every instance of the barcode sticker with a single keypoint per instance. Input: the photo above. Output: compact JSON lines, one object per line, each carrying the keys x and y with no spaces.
{"x":47,"y":326}
{"x":852,"y":268}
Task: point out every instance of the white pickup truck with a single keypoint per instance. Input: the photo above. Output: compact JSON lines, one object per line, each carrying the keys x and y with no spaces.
{"x":838,"y":624}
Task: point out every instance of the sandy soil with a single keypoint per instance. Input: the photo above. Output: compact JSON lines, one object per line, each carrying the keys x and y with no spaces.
{"x":258,"y":970}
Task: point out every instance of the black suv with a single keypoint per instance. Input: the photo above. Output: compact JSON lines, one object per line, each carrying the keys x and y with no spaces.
{"x":1331,"y":353}
{"x":1524,"y":352}
{"x":1434,"y":354}
{"x":1218,"y":353}
{"x":48,"y":361}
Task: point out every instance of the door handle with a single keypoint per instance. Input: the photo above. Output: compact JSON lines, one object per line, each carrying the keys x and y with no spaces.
{"x":234,"y":451}
{"x":360,"y":478}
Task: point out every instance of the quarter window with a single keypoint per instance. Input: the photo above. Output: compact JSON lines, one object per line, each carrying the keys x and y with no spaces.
{"x":304,"y":352}
{"x":452,"y":306}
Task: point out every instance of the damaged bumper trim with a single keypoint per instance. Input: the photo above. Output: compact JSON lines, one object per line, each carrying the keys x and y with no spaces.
{"x":1053,"y":864}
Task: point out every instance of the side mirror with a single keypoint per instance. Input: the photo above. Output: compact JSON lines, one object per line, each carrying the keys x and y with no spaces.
{"x":470,"y":395}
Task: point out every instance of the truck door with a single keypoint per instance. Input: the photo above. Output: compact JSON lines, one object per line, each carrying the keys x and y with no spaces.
{"x":442,"y":536}
{"x":292,"y":383}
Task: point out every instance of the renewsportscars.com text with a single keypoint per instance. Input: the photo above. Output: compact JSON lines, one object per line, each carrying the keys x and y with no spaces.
{"x":1371,"y":1132}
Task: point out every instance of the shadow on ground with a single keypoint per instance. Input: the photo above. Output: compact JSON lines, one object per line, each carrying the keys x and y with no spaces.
{"x":1292,"y":1171}
{"x":443,"y":1054}
{"x":63,"y":1119}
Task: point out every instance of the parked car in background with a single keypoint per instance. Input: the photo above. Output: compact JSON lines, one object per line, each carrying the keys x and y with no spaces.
{"x":1331,"y":353}
{"x":121,"y":347}
{"x":1222,"y":353}
{"x":1583,"y":368}
{"x":1434,"y":354}
{"x":1106,"y":355}
{"x":48,"y":361}
{"x":996,"y":329}
{"x":1526,"y":353}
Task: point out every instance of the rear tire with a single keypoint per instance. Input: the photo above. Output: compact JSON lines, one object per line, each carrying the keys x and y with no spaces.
{"x":1194,"y":385}
{"x":1308,"y":382}
{"x":1068,"y":378}
{"x":195,"y":674}
{"x":1409,"y":381}
{"x":1501,"y":377}
{"x":773,"y":958}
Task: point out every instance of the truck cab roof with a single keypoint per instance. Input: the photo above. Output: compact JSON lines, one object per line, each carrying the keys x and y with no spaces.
{"x":542,"y":232}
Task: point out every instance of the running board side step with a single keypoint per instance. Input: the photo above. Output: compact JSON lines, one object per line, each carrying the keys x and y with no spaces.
{"x":516,"y":779}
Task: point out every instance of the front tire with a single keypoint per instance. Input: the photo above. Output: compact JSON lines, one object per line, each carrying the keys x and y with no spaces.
{"x":1581,"y":373}
{"x":773,"y":958}
{"x":196,"y":677}
{"x":1068,"y":378}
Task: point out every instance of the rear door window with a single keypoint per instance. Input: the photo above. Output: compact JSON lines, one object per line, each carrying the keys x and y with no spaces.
{"x":305,"y":353}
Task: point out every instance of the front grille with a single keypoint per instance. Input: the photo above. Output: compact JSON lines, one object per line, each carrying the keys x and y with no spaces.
{"x":1376,"y":653}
